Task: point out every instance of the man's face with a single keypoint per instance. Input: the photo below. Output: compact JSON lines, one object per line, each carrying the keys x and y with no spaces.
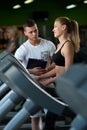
{"x":31,"y":32}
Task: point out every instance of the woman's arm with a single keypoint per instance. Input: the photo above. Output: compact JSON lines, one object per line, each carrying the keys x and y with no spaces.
{"x":68,"y":52}
{"x":11,"y":47}
{"x":48,"y":81}
{"x":52,"y":66}
{"x":47,"y":75}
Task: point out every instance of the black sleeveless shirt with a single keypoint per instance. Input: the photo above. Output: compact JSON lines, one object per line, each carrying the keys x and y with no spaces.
{"x":58,"y":58}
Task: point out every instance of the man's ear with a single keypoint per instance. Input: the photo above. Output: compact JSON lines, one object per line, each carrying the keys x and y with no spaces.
{"x":25,"y":33}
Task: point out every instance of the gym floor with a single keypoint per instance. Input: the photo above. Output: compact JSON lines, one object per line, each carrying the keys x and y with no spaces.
{"x":59,"y":125}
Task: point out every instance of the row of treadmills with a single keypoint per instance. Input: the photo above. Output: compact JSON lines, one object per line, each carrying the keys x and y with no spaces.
{"x":17,"y":86}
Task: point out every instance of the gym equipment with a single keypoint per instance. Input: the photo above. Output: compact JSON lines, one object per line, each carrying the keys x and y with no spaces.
{"x":3,"y":89}
{"x":72,"y":88}
{"x":18,"y":79}
{"x":8,"y":102}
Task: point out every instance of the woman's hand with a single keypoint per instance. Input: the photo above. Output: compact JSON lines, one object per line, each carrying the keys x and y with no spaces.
{"x":38,"y":78}
{"x":48,"y":81}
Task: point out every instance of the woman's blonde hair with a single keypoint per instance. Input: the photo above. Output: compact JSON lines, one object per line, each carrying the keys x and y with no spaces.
{"x":13,"y":29}
{"x":72,"y":30}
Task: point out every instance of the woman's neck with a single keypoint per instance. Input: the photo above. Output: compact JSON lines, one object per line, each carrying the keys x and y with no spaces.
{"x":62,"y":40}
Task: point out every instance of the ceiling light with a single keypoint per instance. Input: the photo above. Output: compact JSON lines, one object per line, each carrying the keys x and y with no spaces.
{"x":16,"y":6}
{"x":70,"y":6}
{"x":28,"y":1}
{"x":85,"y":1}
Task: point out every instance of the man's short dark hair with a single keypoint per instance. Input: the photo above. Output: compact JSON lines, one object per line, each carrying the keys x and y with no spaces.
{"x":29,"y":23}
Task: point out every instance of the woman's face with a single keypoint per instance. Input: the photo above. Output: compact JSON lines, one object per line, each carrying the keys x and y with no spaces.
{"x":58,"y":29}
{"x":10,"y":33}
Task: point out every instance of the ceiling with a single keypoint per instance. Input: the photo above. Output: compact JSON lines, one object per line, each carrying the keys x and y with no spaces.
{"x":7,"y":4}
{"x":7,"y":14}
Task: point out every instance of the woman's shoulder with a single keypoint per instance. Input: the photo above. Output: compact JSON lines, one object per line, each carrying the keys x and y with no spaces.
{"x":68,"y":47}
{"x":69,"y":44}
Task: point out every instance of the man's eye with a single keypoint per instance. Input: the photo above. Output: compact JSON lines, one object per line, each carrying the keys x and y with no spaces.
{"x":30,"y":32}
{"x":35,"y":31}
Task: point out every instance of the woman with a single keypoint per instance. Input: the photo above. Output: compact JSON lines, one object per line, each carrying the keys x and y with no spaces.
{"x":67,"y":32}
{"x":12,"y":33}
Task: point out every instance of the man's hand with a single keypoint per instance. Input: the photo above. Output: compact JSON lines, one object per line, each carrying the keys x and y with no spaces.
{"x":37,"y":71}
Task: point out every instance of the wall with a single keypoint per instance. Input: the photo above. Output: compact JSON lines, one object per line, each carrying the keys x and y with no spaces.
{"x":17,"y":17}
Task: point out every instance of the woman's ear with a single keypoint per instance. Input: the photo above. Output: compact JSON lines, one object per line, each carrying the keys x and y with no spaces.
{"x":63,"y":26}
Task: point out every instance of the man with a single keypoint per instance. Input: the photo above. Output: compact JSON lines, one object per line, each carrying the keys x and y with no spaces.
{"x":35,"y":54}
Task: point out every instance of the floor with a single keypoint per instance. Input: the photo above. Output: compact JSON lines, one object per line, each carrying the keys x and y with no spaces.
{"x":59,"y":125}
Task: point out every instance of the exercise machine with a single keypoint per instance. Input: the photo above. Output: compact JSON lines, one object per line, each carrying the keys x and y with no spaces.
{"x":22,"y":87}
{"x":71,"y":87}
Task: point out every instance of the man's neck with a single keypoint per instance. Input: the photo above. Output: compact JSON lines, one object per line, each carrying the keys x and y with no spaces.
{"x":35,"y":42}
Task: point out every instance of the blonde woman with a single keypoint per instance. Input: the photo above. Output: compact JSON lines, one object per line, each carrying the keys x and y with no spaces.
{"x":67,"y":32}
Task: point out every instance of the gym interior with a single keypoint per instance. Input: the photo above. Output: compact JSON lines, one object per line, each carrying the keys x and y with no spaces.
{"x":14,"y":106}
